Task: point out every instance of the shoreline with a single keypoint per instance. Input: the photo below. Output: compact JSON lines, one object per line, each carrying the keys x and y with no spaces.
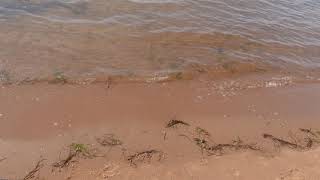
{"x":229,"y":70}
{"x":46,"y":119}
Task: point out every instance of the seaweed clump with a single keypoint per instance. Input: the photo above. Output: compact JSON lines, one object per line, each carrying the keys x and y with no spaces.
{"x":31,"y":174}
{"x":175,"y":123}
{"x":75,"y":150}
{"x":109,"y":140}
{"x":59,"y":78}
{"x":220,"y":149}
{"x":145,"y":156}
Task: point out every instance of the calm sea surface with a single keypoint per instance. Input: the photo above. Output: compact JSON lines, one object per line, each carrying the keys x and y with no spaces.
{"x":89,"y":38}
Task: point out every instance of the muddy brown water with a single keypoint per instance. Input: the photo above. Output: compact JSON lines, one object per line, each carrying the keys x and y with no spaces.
{"x":97,"y":38}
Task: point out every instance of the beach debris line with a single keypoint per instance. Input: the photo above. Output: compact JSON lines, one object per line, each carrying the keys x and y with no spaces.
{"x":35,"y":170}
{"x":143,"y":156}
{"x":175,"y":123}
{"x":109,"y":140}
{"x":202,"y":139}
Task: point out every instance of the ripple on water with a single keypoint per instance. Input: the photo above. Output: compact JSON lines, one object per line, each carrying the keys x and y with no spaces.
{"x":134,"y":37}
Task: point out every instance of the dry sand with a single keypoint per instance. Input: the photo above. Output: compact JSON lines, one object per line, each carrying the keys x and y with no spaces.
{"x":41,"y":121}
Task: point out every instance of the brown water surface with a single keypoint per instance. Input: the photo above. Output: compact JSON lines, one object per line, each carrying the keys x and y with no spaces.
{"x":94,"y":38}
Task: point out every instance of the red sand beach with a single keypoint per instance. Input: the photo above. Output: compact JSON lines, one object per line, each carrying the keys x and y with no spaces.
{"x":107,"y":126}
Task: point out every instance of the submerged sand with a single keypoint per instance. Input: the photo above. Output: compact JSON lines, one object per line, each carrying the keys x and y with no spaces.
{"x":41,"y":121}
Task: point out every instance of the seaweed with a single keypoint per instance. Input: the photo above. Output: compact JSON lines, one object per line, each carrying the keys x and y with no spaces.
{"x":144,"y":155}
{"x":75,"y":149}
{"x":282,"y":142}
{"x":59,"y":78}
{"x":175,"y":122}
{"x":220,"y":149}
{"x":65,"y":162}
{"x":309,"y":131}
{"x":5,"y":77}
{"x":36,"y":169}
{"x":313,"y":137}
{"x":202,"y":132}
{"x":109,"y":140}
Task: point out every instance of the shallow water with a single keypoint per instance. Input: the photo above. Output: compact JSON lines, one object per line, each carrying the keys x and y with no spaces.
{"x":91,"y":38}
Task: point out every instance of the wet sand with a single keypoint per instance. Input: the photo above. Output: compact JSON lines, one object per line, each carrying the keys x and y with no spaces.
{"x":40,"y":121}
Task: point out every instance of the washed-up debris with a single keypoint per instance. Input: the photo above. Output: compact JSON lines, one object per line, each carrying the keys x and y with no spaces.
{"x":220,"y":149}
{"x":5,"y":77}
{"x":281,"y":142}
{"x":145,"y":156}
{"x":311,"y":132}
{"x":65,"y":162}
{"x":109,"y":140}
{"x":74,"y":151}
{"x":202,"y":132}
{"x":58,"y":78}
{"x":36,"y":169}
{"x":175,"y":122}
{"x":313,"y":137}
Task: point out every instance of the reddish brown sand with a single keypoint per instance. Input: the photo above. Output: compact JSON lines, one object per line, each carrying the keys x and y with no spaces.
{"x":42,"y":120}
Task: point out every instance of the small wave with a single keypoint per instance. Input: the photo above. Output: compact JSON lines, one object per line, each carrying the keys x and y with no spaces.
{"x":125,"y":19}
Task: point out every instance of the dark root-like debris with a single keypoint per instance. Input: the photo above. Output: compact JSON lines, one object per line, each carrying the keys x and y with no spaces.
{"x":109,"y":140}
{"x":75,"y":150}
{"x":281,"y":142}
{"x":65,"y":162}
{"x":145,"y":156}
{"x":36,"y":169}
{"x":220,"y":149}
{"x":175,"y":123}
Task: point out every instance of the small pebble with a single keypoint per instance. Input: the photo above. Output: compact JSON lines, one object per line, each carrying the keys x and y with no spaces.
{"x":55,"y":124}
